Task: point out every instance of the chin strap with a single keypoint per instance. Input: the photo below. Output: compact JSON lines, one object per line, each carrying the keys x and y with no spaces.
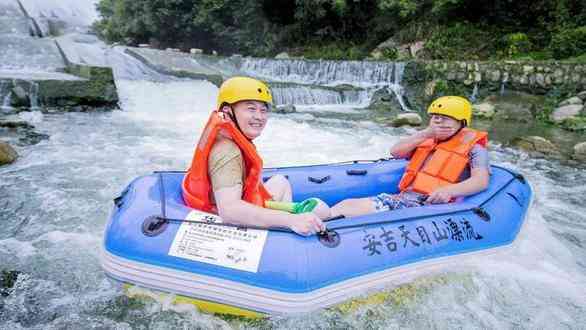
{"x":235,"y":121}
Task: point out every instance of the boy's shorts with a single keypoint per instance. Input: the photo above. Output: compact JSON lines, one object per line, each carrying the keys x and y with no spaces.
{"x":386,"y":202}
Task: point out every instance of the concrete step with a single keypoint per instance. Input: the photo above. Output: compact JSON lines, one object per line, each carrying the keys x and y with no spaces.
{"x":27,"y":53}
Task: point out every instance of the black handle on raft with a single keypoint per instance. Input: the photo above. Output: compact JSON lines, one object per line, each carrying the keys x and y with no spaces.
{"x":266,"y":178}
{"x":319,"y":181}
{"x":356,"y":172}
{"x":118,"y":201}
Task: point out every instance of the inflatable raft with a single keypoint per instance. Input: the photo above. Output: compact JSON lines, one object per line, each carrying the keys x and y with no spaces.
{"x":153,"y":240}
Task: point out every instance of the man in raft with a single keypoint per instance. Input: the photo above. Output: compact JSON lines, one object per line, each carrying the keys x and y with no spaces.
{"x":226,"y":171}
{"x":447,"y":160}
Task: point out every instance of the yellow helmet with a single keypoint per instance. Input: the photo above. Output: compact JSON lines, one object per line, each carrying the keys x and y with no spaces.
{"x":243,"y":88}
{"x":456,"y":107}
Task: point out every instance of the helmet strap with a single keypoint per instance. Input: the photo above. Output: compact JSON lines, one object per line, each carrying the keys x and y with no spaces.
{"x":232,"y":116}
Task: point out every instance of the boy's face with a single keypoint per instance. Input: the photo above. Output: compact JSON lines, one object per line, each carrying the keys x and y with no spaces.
{"x":443,"y":126}
{"x":252,"y":117}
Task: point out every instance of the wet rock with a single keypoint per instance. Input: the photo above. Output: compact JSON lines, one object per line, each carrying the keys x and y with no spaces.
{"x":403,"y":119}
{"x":416,"y":47}
{"x":580,"y":152}
{"x":195,"y":51}
{"x":282,"y":56}
{"x":144,"y":46}
{"x":566,"y":112}
{"x":7,"y":154}
{"x":572,"y":100}
{"x":7,"y":280}
{"x":20,"y":97}
{"x":381,"y":95}
{"x":483,"y":110}
{"x":15,"y":124}
{"x":287,"y":108}
{"x":516,"y":106}
{"x":537,"y":146}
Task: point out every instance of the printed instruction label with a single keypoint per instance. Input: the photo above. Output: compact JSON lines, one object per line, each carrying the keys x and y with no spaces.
{"x":200,"y":240}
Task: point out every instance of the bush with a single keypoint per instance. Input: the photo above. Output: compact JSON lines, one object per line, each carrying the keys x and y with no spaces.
{"x":515,"y":44}
{"x":460,"y":41}
{"x":334,"y":51}
{"x":568,"y":42}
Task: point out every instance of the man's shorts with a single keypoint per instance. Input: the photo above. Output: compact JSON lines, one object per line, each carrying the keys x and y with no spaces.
{"x":386,"y":202}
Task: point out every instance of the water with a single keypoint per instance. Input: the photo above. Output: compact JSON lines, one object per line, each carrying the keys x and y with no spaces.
{"x":56,"y":199}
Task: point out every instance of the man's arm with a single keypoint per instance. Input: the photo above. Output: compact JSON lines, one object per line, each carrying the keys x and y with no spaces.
{"x":233,"y":209}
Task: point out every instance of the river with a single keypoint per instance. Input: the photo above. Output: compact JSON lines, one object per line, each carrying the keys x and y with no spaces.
{"x":56,"y":199}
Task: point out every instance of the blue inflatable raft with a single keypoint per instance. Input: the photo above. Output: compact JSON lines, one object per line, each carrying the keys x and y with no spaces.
{"x":153,"y":240}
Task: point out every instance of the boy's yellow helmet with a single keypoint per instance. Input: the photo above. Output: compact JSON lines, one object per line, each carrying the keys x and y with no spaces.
{"x":456,"y":107}
{"x":243,"y":88}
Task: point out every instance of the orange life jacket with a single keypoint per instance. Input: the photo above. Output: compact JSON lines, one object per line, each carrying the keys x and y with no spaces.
{"x":196,"y":184}
{"x":446,"y":165}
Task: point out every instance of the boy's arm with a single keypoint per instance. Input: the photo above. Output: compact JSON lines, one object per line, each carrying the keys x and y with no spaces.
{"x":405,"y":147}
{"x":478,"y":181}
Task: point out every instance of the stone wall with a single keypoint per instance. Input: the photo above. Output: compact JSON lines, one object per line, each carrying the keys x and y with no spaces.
{"x":533,"y":77}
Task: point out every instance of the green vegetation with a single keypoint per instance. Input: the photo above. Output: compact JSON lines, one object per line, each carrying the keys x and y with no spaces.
{"x":345,"y":29}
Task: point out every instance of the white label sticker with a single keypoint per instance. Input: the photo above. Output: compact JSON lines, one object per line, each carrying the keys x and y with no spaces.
{"x":200,"y":240}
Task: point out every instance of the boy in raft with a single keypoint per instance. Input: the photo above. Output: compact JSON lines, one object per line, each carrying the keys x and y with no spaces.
{"x":225,"y":176}
{"x":447,"y":160}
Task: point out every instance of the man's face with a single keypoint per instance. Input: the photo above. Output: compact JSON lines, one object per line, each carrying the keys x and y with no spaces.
{"x":443,"y":126}
{"x":252,"y":117}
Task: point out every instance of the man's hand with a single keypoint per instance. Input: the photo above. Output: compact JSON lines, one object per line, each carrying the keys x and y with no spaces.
{"x":306,"y":224}
{"x":440,"y":195}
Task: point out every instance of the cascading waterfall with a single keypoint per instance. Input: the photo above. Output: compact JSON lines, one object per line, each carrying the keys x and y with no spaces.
{"x":5,"y":95}
{"x":395,"y":85}
{"x":366,"y":75}
{"x":34,"y":95}
{"x":474,"y":94}
{"x":327,"y":73}
{"x":309,"y":95}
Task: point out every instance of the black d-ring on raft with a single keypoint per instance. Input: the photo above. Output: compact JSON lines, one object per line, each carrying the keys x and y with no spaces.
{"x":154,"y":225}
{"x":329,"y":238}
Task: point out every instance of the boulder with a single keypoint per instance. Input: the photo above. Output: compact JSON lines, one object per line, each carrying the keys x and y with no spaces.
{"x":7,"y":154}
{"x":537,"y":146}
{"x":282,"y":56}
{"x":572,"y":100}
{"x":286,"y":108}
{"x":580,"y":152}
{"x":582,"y":95}
{"x":483,"y":110}
{"x":416,"y":47}
{"x":20,"y":97}
{"x":566,"y":112}
{"x":195,"y":51}
{"x":411,"y":119}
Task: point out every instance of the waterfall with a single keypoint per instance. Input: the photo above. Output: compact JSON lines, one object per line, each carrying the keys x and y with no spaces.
{"x":312,"y":95}
{"x":395,"y":85}
{"x":126,"y":67}
{"x":474,"y":95}
{"x":320,"y":72}
{"x":34,"y":96}
{"x":503,"y":83}
{"x":5,"y":95}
